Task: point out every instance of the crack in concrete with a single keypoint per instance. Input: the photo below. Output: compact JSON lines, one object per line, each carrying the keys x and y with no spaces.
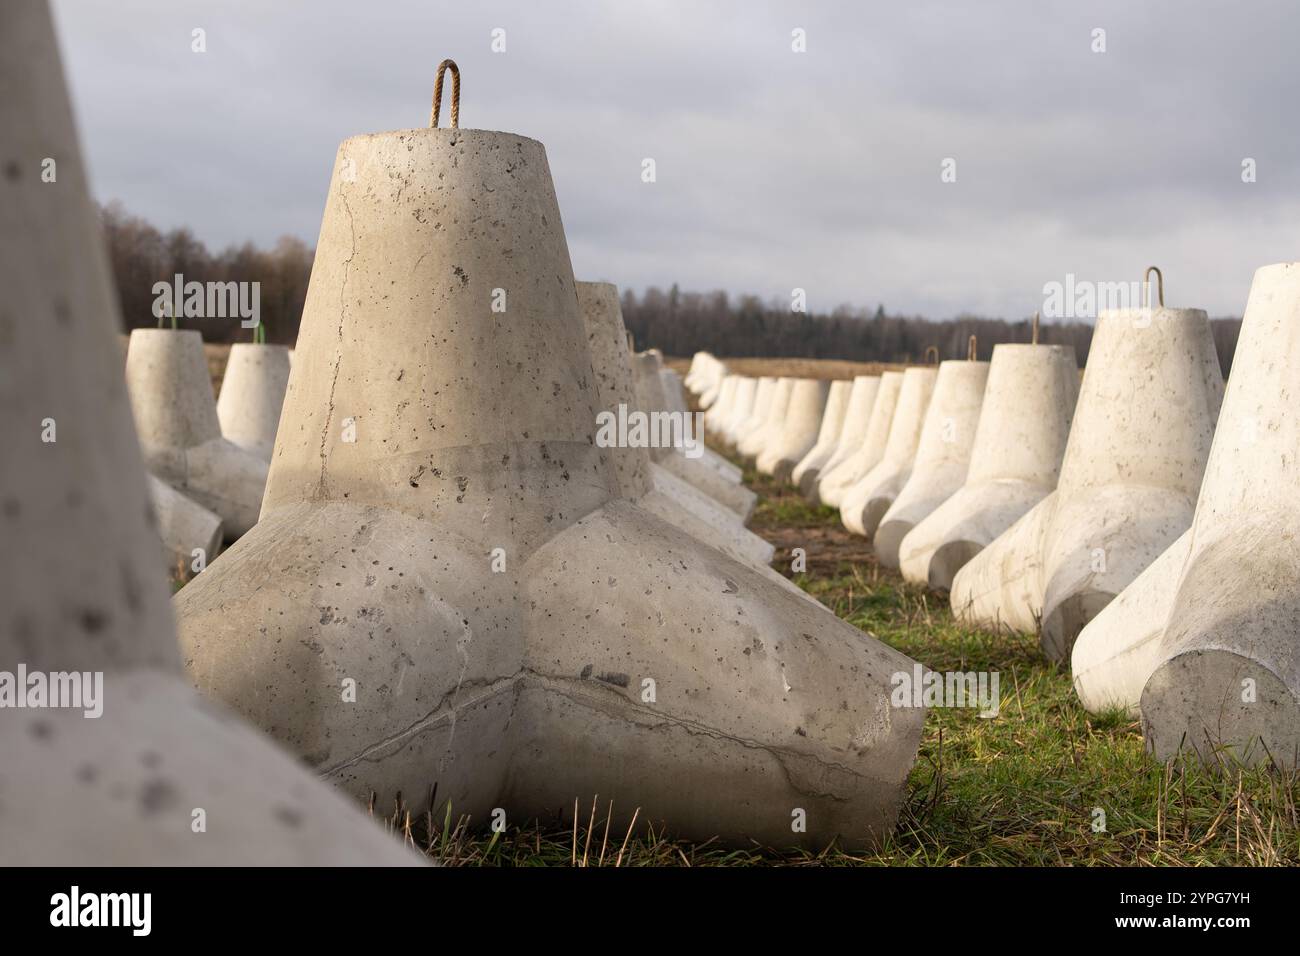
{"x":599,"y":697}
{"x":338,"y":363}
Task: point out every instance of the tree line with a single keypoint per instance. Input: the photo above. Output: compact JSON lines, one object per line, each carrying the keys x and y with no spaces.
{"x":682,"y":323}
{"x":675,"y":322}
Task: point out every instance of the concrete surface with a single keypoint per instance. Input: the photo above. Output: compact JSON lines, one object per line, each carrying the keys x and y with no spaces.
{"x":865,"y":502}
{"x":611,"y":654}
{"x":1020,"y":441}
{"x":942,"y":454}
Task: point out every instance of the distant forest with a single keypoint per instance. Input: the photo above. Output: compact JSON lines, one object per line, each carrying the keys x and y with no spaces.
{"x":675,"y":322}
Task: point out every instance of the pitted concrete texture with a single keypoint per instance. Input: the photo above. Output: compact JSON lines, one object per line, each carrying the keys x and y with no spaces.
{"x":1137,"y":449}
{"x":184,"y":527}
{"x":866,"y":501}
{"x":82,"y":587}
{"x":176,"y":416}
{"x":1227,"y":681}
{"x":515,"y":629}
{"x":1133,"y":462}
{"x":252,"y":393}
{"x":805,"y":473}
{"x":865,"y":446}
{"x":1023,"y":427}
{"x":942,"y":455}
{"x":799,"y":428}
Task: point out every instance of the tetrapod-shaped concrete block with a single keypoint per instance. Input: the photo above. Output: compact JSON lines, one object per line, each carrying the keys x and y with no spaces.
{"x":1227,"y":682}
{"x":1133,"y":462}
{"x":806,"y":473}
{"x":758,"y":416}
{"x":112,"y":760}
{"x":942,"y":454}
{"x":865,"y":433}
{"x":176,"y":417}
{"x":799,"y":428}
{"x":252,"y":394}
{"x":865,"y":502}
{"x":190,"y":533}
{"x":515,"y":630}
{"x":1023,"y":428}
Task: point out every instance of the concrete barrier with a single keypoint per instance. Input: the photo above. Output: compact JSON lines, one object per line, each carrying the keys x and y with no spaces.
{"x":742,"y":407}
{"x":763,"y":396}
{"x":942,"y":454}
{"x":705,"y":477}
{"x":1133,"y":462}
{"x":81,"y":581}
{"x":252,"y":393}
{"x":868,"y":447}
{"x":865,"y":503}
{"x":799,"y":428}
{"x":1023,"y":427}
{"x":1119,"y":648}
{"x":176,"y":417}
{"x":805,"y":473}
{"x":639,"y":479}
{"x":1227,"y":682}
{"x":184,"y":527}
{"x":766,"y":434}
{"x":610,"y":653}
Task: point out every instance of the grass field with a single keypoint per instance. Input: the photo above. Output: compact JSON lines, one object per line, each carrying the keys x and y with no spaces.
{"x":1021,"y":789}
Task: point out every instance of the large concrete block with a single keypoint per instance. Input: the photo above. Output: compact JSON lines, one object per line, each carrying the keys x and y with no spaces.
{"x":184,"y":528}
{"x":742,"y":407}
{"x":1119,"y":648}
{"x":866,"y":501}
{"x":761,"y":438}
{"x":1132,"y":469}
{"x":799,"y":428}
{"x":763,"y":395}
{"x":639,"y":479}
{"x":942,"y":454}
{"x":807,"y":471}
{"x":705,"y":477}
{"x":610,"y":652}
{"x":1132,"y":466}
{"x":180,"y":434}
{"x":252,"y":393}
{"x":82,"y":586}
{"x":862,"y":442}
{"x":1023,"y":428}
{"x":1227,"y":681}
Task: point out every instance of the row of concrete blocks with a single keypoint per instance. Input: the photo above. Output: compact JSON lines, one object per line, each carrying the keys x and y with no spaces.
{"x":1151,"y":550}
{"x":207,"y":457}
{"x":454,"y":584}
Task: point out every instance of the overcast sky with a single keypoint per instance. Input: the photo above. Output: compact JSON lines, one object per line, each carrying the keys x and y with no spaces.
{"x":775,"y":169}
